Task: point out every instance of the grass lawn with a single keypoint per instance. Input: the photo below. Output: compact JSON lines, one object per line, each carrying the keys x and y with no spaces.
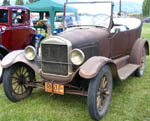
{"x":130,"y":102}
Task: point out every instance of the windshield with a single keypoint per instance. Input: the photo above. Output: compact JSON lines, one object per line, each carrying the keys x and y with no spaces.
{"x":84,"y":14}
{"x":3,"y":16}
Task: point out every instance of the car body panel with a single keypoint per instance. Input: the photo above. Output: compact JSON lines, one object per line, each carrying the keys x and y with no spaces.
{"x":92,"y":66}
{"x":18,"y":57}
{"x":122,"y":43}
{"x":91,"y":40}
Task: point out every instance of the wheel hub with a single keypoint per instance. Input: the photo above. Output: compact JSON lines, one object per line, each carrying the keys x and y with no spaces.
{"x":101,"y":92}
{"x":21,"y":80}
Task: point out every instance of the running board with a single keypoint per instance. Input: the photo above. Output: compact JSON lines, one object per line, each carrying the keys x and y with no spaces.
{"x":127,"y":70}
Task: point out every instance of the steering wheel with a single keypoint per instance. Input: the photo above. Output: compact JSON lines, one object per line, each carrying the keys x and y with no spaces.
{"x":100,"y":17}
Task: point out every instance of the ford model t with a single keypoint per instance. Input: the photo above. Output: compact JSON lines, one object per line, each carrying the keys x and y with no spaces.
{"x":85,"y":59}
{"x":16,"y":32}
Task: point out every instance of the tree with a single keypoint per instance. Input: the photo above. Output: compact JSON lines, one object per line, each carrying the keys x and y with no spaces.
{"x":5,"y":2}
{"x":146,"y":8}
{"x":19,"y":2}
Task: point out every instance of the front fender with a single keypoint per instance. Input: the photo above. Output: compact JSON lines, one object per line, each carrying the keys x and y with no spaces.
{"x":92,"y":66}
{"x":18,"y":56}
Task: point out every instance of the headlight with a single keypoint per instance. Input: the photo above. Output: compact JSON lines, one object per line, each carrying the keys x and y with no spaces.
{"x":30,"y":52}
{"x":77,"y":57}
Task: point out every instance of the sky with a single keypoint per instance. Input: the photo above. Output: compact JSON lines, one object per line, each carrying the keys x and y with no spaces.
{"x":138,"y":1}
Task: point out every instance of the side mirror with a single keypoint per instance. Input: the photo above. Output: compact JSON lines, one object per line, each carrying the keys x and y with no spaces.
{"x":117,"y":30}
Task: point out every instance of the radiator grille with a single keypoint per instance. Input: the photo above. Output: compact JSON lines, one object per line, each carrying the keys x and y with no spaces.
{"x":55,"y":59}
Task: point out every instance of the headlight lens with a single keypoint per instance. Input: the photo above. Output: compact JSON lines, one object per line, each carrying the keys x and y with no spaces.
{"x":30,"y":52}
{"x":77,"y":57}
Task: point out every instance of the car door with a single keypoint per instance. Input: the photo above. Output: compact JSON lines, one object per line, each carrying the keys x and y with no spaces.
{"x":19,"y":32}
{"x":119,"y":41}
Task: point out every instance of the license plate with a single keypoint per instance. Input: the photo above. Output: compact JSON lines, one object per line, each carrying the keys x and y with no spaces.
{"x":55,"y":88}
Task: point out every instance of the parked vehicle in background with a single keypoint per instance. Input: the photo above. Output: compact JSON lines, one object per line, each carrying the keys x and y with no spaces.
{"x":147,"y":20}
{"x":59,"y":23}
{"x":16,"y":30}
{"x":84,"y":60}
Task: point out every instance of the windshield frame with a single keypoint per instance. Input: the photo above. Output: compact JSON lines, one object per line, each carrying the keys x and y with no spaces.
{"x":111,"y":16}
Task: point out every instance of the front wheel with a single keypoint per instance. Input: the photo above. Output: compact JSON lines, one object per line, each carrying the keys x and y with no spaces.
{"x":14,"y":82}
{"x":99,"y":93}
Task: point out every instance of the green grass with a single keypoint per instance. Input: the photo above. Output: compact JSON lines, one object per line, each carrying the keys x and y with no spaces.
{"x":130,"y":102}
{"x":146,"y":31}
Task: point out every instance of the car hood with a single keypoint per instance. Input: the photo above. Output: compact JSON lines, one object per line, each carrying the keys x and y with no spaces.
{"x":81,"y":37}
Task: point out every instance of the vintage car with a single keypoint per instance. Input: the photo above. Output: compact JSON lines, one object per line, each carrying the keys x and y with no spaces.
{"x":16,"y":30}
{"x":84,"y":60}
{"x":146,"y":20}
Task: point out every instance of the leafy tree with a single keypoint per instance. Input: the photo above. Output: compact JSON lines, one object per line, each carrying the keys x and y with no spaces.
{"x":19,"y":2}
{"x":5,"y":2}
{"x":146,"y":8}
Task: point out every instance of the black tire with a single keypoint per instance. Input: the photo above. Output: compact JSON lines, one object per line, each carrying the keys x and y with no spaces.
{"x":140,"y":71}
{"x":96,"y":92}
{"x":1,"y":69}
{"x":14,"y":80}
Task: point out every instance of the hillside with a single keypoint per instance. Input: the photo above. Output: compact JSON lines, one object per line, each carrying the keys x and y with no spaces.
{"x":130,"y":7}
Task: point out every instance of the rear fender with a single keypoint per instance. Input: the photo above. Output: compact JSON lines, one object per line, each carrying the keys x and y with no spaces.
{"x":136,"y":51}
{"x":18,"y":57}
{"x":92,"y":66}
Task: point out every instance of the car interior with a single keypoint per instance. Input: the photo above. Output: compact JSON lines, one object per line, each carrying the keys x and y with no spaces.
{"x":125,"y":24}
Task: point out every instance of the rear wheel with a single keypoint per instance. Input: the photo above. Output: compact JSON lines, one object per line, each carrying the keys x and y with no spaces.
{"x":140,"y":71}
{"x":14,"y":82}
{"x":99,"y":93}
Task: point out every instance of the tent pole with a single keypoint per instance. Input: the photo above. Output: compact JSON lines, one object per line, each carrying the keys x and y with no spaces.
{"x":64,"y":15}
{"x":8,"y":2}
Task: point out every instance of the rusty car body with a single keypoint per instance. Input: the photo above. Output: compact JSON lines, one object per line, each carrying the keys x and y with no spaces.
{"x":84,"y":60}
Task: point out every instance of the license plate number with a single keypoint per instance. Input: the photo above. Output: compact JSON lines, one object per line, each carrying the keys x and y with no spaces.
{"x":55,"y":88}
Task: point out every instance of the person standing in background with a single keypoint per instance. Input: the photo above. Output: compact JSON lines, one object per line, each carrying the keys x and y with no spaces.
{"x":31,"y":21}
{"x":48,"y":23}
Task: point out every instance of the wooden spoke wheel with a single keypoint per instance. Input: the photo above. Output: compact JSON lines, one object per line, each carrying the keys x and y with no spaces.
{"x":99,"y":93}
{"x":102,"y":93}
{"x":15,"y":79}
